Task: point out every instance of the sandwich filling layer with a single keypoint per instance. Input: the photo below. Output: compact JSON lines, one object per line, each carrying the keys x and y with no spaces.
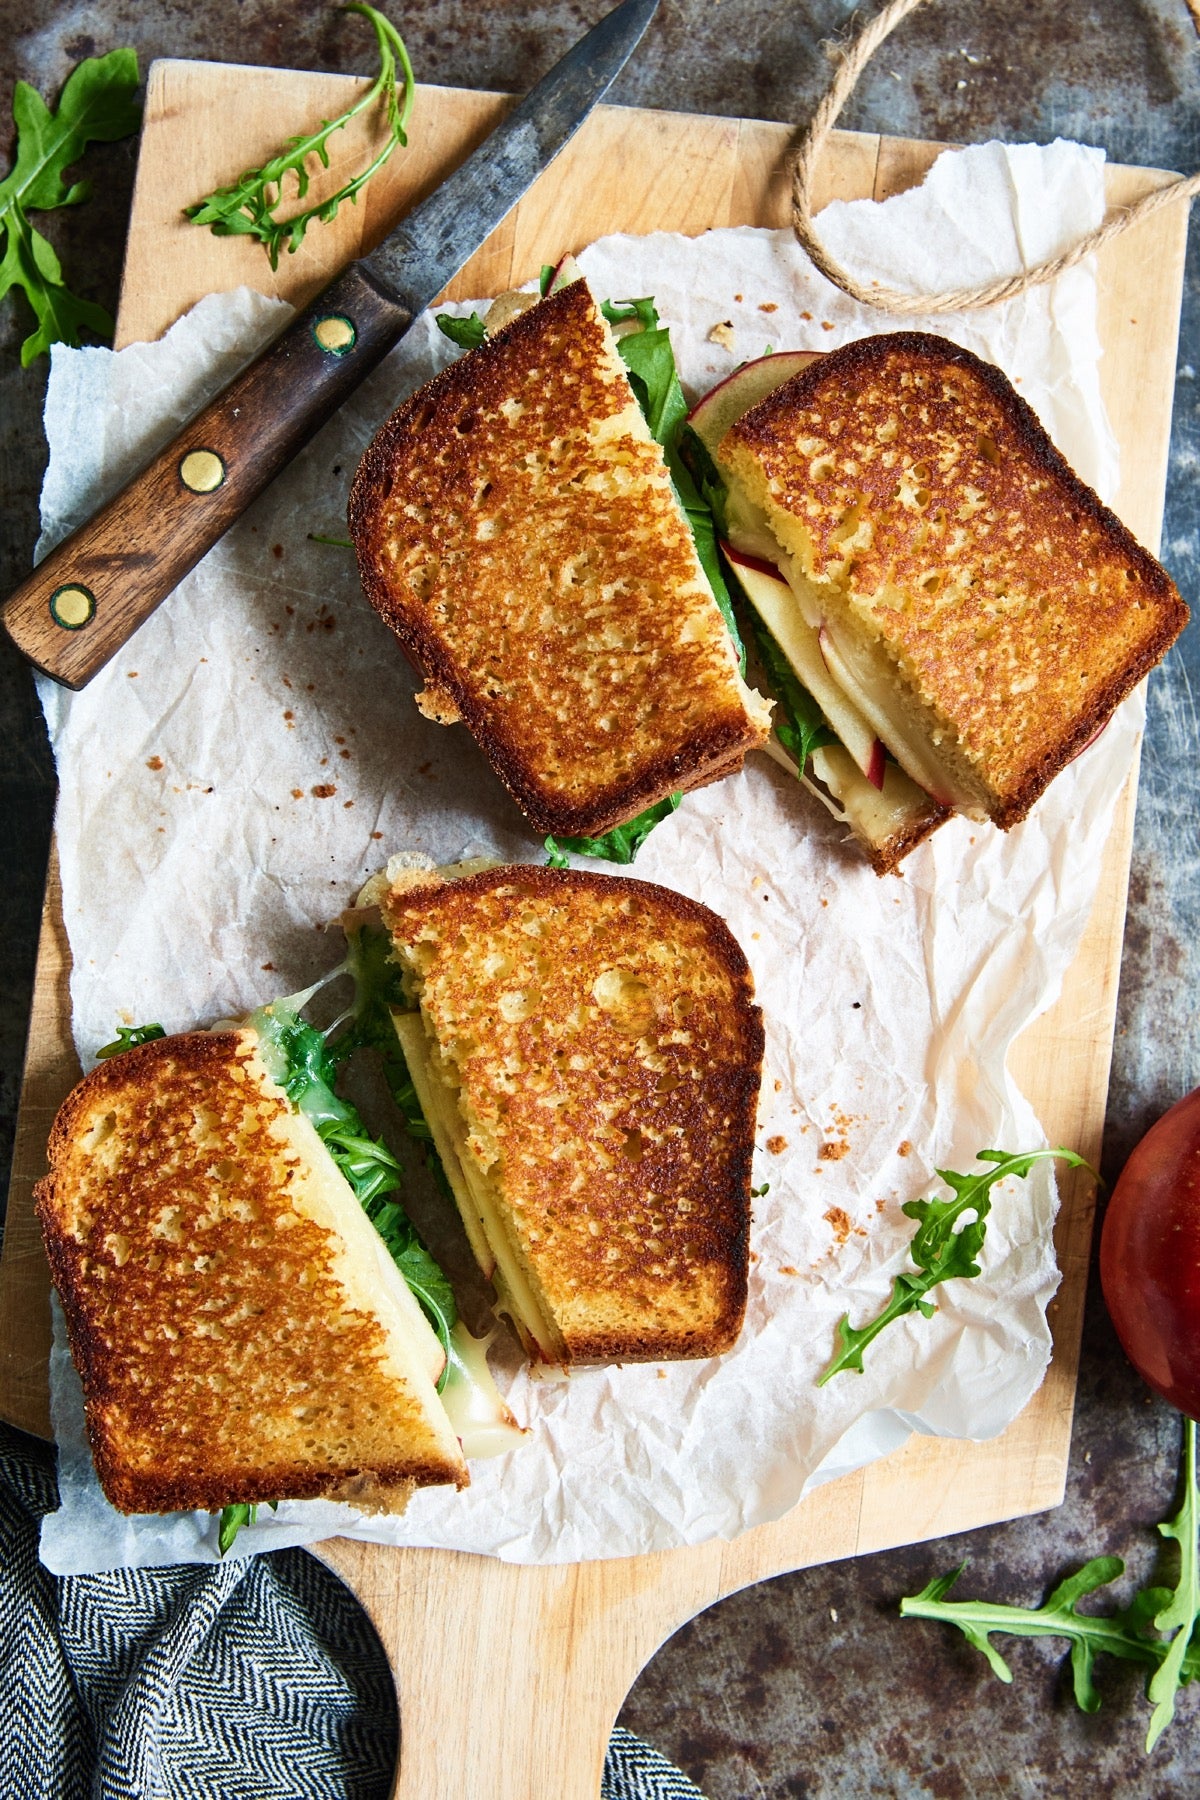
{"x":478,"y":1199}
{"x":589,"y":1058}
{"x":979,"y":606}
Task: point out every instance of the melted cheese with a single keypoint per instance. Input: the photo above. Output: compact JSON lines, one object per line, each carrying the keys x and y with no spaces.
{"x":484,"y":1424}
{"x":475,"y":1194}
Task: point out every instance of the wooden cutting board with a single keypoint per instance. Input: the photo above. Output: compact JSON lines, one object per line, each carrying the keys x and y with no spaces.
{"x":510,"y":1677}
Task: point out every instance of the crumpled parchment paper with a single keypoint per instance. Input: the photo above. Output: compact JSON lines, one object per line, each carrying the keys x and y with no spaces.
{"x":231,"y":778}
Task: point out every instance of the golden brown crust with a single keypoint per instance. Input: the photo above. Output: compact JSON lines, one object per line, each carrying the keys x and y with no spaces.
{"x":1016,"y":609}
{"x":886,"y":858}
{"x":219,"y":1356}
{"x":608,"y":1053}
{"x":516,"y":527}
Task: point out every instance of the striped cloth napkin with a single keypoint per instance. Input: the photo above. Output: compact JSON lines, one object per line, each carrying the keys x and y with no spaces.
{"x":261,"y":1678}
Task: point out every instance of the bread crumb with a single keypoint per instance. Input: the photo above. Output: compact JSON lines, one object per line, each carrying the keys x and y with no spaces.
{"x":155,"y":762}
{"x":806,"y":315}
{"x":297,"y":793}
{"x":787,"y":1269}
{"x":826,"y":324}
{"x":833,"y":1150}
{"x":325,"y":790}
{"x":722,"y":334}
{"x":904,"y":1148}
{"x":839,"y":1219}
{"x":778,"y":1086}
{"x":767,"y":306}
{"x":777,"y":1144}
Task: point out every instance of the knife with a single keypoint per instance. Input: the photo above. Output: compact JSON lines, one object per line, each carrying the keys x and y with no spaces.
{"x":91,"y":593}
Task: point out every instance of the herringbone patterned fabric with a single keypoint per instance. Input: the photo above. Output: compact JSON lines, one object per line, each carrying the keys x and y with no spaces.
{"x":258,"y":1680}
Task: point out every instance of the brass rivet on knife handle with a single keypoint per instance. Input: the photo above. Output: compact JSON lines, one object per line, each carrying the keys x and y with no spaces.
{"x":202,"y":471}
{"x":90,"y":594}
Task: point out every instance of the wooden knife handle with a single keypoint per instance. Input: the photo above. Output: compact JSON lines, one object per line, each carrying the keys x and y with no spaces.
{"x":91,"y":593}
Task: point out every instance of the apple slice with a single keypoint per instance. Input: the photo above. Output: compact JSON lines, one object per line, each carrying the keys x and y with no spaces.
{"x":712,"y":416}
{"x":871,"y":690}
{"x":566,"y":270}
{"x":898,"y":807}
{"x":772,"y":599}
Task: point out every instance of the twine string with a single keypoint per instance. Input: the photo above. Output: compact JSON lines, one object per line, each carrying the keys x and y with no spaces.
{"x":851,"y":61}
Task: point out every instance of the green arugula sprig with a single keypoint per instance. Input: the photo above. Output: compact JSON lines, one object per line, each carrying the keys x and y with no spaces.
{"x":305,"y":1063}
{"x":96,"y":106}
{"x":621,"y":844}
{"x":799,"y":722}
{"x":468,"y":334}
{"x":233,"y":1518}
{"x":128,"y":1038}
{"x":650,"y":360}
{"x":1125,"y":1634}
{"x":247,"y":207}
{"x":937,"y":1249}
{"x":378,"y":992}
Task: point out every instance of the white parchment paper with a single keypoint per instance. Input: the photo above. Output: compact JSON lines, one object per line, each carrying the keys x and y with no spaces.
{"x":237,"y":771}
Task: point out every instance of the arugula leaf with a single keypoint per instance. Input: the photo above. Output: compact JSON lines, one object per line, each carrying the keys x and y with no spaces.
{"x":232,"y":1520}
{"x":246,"y":208}
{"x":96,"y":106}
{"x":708,"y":479}
{"x":305,"y":1064}
{"x":468,"y":334}
{"x":1179,"y":1615}
{"x":620,"y":312}
{"x":799,"y":722}
{"x":1126,"y":1633}
{"x":378,"y":992}
{"x":939,"y":1251}
{"x":128,"y":1038}
{"x":650,"y":361}
{"x":621,"y":844}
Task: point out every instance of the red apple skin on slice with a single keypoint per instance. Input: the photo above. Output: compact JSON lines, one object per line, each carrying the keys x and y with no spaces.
{"x":872,"y":763}
{"x":874,"y":773}
{"x":724,"y":405}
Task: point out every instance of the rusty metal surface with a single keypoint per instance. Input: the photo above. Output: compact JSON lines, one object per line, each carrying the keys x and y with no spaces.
{"x":808,"y":1686}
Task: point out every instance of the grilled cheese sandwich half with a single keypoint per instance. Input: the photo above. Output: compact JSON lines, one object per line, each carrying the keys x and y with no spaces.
{"x":588,"y":1054}
{"x":240,"y":1331}
{"x":517,"y":527}
{"x":977,"y":604}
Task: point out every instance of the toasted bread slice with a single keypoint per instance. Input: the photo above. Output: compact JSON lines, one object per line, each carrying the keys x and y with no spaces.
{"x":240,"y":1331}
{"x":589,"y":1053}
{"x":981,"y":606}
{"x":517,"y":528}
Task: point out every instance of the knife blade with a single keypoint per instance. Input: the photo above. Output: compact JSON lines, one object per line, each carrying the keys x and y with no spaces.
{"x":90,"y":594}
